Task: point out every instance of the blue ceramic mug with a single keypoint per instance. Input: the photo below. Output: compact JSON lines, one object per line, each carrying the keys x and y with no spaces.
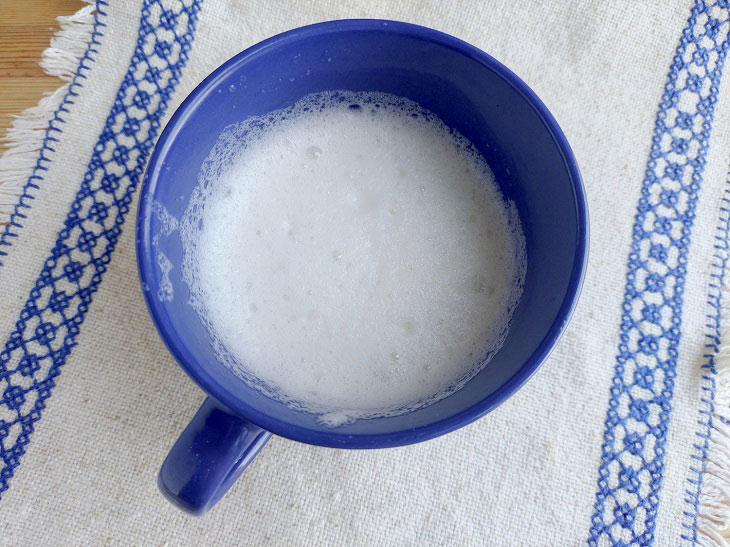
{"x":469,"y":91}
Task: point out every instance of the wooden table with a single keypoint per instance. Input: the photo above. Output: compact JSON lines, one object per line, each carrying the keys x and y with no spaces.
{"x":25,"y":31}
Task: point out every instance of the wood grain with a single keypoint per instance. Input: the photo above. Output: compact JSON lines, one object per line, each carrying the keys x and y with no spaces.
{"x":25,"y":31}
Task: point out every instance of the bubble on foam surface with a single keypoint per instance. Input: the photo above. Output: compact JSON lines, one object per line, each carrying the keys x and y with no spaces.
{"x":165,"y":291}
{"x":168,"y":224}
{"x":326,"y":238}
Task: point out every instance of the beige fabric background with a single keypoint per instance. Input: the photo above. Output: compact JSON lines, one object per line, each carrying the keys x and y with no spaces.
{"x":524,"y":475}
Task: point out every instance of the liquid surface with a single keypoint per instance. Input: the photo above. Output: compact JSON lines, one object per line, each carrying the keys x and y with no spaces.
{"x":352,"y":256}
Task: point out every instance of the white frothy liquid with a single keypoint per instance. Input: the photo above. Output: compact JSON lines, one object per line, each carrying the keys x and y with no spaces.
{"x":351,"y":255}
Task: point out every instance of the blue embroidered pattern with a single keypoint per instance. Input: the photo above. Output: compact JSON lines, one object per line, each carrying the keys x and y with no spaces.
{"x":640,"y":404}
{"x":720,"y":259}
{"x":54,"y":129}
{"x":49,"y":322}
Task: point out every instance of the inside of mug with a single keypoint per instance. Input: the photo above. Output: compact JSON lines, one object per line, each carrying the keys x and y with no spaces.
{"x":475,"y":98}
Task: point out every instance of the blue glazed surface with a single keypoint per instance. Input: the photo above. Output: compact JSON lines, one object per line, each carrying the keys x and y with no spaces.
{"x":472,"y":93}
{"x":208,"y":457}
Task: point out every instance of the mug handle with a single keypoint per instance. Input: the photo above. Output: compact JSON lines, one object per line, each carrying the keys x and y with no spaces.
{"x":209,"y":456}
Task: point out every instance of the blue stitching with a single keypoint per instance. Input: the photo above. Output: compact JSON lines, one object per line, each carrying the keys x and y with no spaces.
{"x":10,"y":229}
{"x":632,"y":459}
{"x":50,"y":320}
{"x":707,"y":401}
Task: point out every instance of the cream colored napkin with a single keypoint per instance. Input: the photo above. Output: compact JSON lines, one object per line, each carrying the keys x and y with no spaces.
{"x":621,"y":437}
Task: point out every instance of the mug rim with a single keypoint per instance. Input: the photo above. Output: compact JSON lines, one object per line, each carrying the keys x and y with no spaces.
{"x":332,"y":438}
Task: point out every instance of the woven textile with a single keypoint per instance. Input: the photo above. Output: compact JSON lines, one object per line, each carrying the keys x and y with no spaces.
{"x":621,"y":438}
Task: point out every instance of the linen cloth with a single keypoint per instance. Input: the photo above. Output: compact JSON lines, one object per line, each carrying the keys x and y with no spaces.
{"x":620,"y":438}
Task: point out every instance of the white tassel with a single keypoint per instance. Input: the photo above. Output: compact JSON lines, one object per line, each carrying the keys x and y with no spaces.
{"x":713,"y":518}
{"x":28,"y":130}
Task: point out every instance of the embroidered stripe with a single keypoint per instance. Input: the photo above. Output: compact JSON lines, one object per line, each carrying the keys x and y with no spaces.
{"x":51,"y":318}
{"x":632,"y":459}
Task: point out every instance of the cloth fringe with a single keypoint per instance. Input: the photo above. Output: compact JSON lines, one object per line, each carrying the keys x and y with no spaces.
{"x":26,"y":136}
{"x":713,"y":518}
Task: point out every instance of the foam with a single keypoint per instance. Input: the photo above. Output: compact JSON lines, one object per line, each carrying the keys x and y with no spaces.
{"x":168,"y":224}
{"x":351,"y":255}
